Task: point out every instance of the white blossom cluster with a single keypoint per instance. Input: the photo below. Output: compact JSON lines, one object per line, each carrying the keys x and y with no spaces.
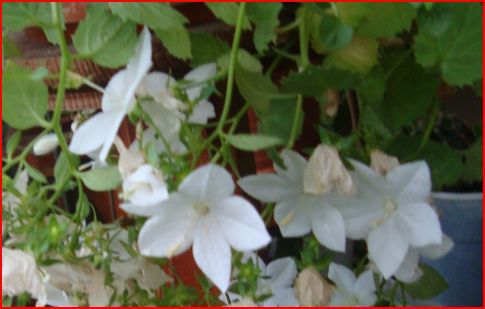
{"x":386,"y":204}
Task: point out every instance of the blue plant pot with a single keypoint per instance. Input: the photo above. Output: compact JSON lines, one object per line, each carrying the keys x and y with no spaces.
{"x":461,"y":219}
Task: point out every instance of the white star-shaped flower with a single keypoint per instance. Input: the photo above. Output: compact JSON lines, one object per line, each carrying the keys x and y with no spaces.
{"x":118,"y":100}
{"x":297,"y":212}
{"x":204,"y":212}
{"x":203,"y":109}
{"x":391,"y":213}
{"x":276,"y":279}
{"x":351,"y":291}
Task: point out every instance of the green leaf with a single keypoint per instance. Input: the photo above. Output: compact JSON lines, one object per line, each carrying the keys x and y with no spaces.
{"x":17,"y":16}
{"x":102,"y":179}
{"x":444,"y":162}
{"x":206,"y":48}
{"x":13,"y":142}
{"x":10,"y":50}
{"x":227,"y":12}
{"x":245,"y":60}
{"x":101,"y":33}
{"x":359,"y":56}
{"x":472,"y":169}
{"x":250,"y":142}
{"x":277,"y":118}
{"x":430,"y":285}
{"x":83,"y":207}
{"x":410,"y":91}
{"x":372,"y":86}
{"x":177,"y":42}
{"x":377,"y":19}
{"x":265,"y":18}
{"x":334,"y":34}
{"x":450,"y":37}
{"x":62,"y":171}
{"x":315,"y":80}
{"x":158,"y":16}
{"x":24,"y":100}
{"x":256,"y":88}
{"x":35,"y":174}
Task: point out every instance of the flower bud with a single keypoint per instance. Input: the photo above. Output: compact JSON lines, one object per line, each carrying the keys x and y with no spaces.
{"x":46,"y":144}
{"x":325,"y":172}
{"x":311,"y":289}
{"x":381,"y":162}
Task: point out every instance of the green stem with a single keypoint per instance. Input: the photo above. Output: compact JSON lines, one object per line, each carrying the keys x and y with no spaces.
{"x":61,"y":89}
{"x":24,"y":152}
{"x":429,"y":126}
{"x":288,"y":27}
{"x":232,"y":67}
{"x":304,"y":62}
{"x":296,"y":122}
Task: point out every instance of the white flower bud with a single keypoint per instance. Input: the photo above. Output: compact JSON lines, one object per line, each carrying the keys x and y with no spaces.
{"x":381,"y":162}
{"x":46,"y":144}
{"x":311,"y":289}
{"x":325,"y":172}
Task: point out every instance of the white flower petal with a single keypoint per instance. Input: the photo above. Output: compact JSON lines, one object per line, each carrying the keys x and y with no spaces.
{"x":156,"y":85}
{"x":367,"y":300}
{"x":328,"y":226}
{"x":387,"y":248}
{"x":343,"y":277}
{"x":20,"y":274}
{"x":293,"y":217}
{"x":212,"y":254}
{"x":412,"y":182}
{"x":115,"y":92}
{"x":295,"y":165}
{"x":282,"y":272}
{"x":438,"y":251}
{"x":144,"y":211}
{"x":199,"y":74}
{"x":368,"y":182}
{"x":419,"y":224}
{"x":57,"y":297}
{"x":364,"y":285}
{"x":112,"y":130}
{"x":202,"y":112}
{"x":241,"y":224}
{"x":358,"y":216}
{"x":209,"y":183}
{"x":282,"y":298}
{"x":93,"y":133}
{"x":139,"y":65}
{"x":267,"y":188}
{"x":167,"y":234}
{"x":145,"y":187}
{"x":409,"y":271}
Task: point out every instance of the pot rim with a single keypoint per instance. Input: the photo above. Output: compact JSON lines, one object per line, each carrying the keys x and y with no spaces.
{"x":456,"y":196}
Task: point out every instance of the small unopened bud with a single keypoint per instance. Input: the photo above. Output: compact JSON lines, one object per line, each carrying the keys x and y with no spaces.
{"x":46,"y":144}
{"x":333,"y":103}
{"x":312,"y":289}
{"x":381,"y":162}
{"x":325,"y":172}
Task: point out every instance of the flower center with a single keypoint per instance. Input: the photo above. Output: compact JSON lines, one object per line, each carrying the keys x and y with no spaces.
{"x":390,"y":207}
{"x":201,"y":208}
